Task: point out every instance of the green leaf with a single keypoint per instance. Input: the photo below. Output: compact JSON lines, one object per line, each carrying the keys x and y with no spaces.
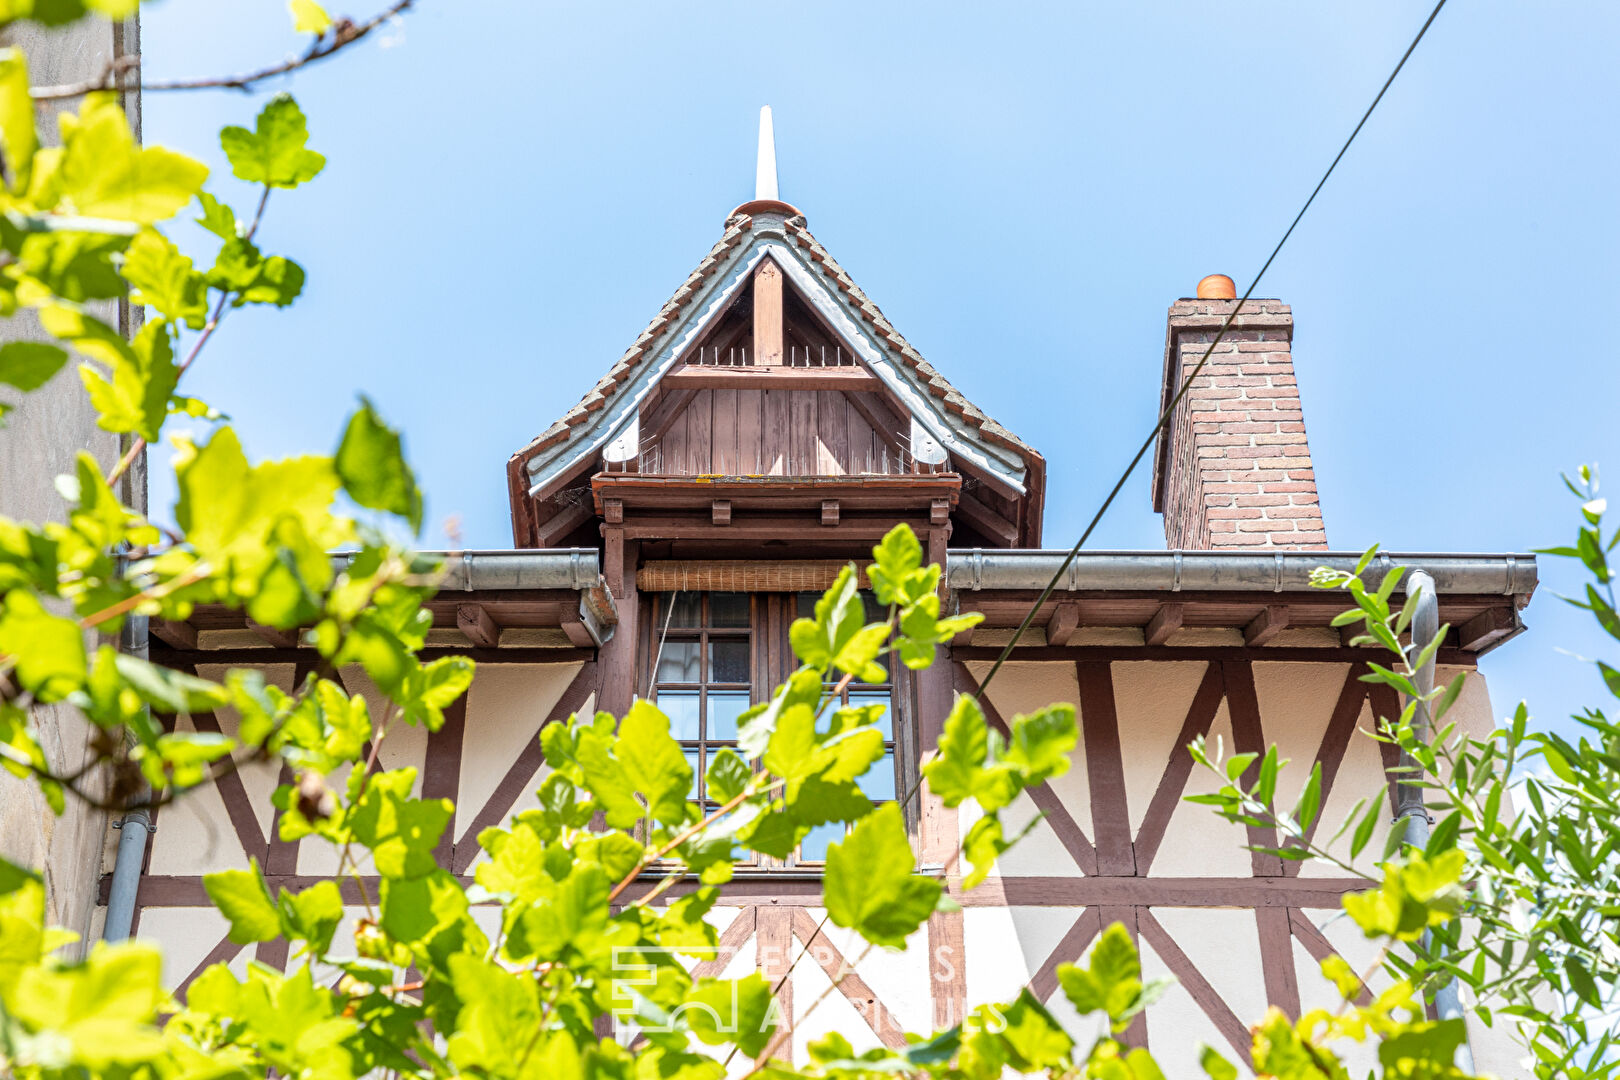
{"x":309,"y":17}
{"x":964,"y":745}
{"x":654,"y":763}
{"x":1040,"y":743}
{"x":48,"y":649}
{"x":894,"y":559}
{"x":218,"y":218}
{"x":242,"y":897}
{"x":371,"y":463}
{"x":242,"y":270}
{"x":728,"y":775}
{"x":1036,"y":1040}
{"x":1215,"y":1066}
{"x":400,"y":831}
{"x":29,"y":365}
{"x":165,"y":280}
{"x":1111,"y":983}
{"x":869,"y":885}
{"x":144,"y":373}
{"x":312,"y":915}
{"x":273,"y":153}
{"x":18,"y":140}
{"x":722,"y":1011}
{"x":1310,"y":800}
{"x":104,"y":174}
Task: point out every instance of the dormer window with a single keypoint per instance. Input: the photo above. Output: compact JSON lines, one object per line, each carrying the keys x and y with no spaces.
{"x":711,"y":654}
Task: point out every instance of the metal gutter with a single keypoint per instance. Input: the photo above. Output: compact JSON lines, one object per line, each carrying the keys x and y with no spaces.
{"x":978,"y":569}
{"x":133,"y":828}
{"x":1409,"y":802}
{"x":579,"y":569}
{"x":549,"y":568}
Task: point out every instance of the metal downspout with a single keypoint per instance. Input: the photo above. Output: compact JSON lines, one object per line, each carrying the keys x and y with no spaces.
{"x":1409,"y":797}
{"x":134,"y":828}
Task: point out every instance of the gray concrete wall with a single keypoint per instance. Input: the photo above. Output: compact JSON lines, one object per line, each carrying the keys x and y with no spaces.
{"x":39,"y":442}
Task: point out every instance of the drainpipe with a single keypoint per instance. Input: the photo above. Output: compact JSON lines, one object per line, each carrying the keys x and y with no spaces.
{"x":134,"y":827}
{"x":1409,"y":797}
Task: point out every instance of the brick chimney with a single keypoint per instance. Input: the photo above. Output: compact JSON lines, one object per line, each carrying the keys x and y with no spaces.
{"x":1232,"y":468}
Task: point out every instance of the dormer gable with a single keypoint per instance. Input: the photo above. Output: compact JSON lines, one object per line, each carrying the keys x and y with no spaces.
{"x":770,"y":383}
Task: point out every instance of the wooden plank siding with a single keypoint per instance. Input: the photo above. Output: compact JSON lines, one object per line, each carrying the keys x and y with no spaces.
{"x":740,"y":432}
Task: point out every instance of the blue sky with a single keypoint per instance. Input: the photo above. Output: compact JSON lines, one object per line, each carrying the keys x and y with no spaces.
{"x":514,"y":188}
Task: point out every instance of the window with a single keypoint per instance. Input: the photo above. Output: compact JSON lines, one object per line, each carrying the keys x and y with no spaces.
{"x":712,"y":654}
{"x":702,"y":679}
{"x":880,"y":780}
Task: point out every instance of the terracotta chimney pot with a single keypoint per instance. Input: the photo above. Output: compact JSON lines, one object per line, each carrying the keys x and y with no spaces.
{"x":1217,"y":287}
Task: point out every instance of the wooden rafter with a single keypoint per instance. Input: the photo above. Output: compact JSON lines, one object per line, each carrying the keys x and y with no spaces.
{"x":475,"y":622}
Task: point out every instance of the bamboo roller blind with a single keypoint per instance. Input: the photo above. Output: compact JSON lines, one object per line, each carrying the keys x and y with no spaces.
{"x":738,"y":575}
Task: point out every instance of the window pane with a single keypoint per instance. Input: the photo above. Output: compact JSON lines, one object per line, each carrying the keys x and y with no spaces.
{"x":724,"y":708}
{"x":728,"y":661}
{"x":875,"y":612}
{"x":697,"y":773}
{"x":678,"y":662}
{"x":681,"y":706}
{"x":859,"y":698}
{"x":878,"y":783}
{"x":805,"y":604}
{"x":814,"y":848}
{"x":729,"y":609}
{"x":687,"y":608}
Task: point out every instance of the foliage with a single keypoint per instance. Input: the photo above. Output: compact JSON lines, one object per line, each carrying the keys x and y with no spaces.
{"x":1515,"y":893}
{"x":601,"y":892}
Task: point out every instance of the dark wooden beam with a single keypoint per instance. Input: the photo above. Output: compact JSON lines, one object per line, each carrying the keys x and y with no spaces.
{"x":987,"y":521}
{"x":762,"y":528}
{"x":1272,"y":620}
{"x":767,"y":315}
{"x":261,"y":657}
{"x":1485,"y":629}
{"x":1306,"y":653}
{"x":475,"y":622}
{"x":1166,"y":621}
{"x":612,"y":511}
{"x":701,"y":377}
{"x":560,"y":524}
{"x":720,"y":512}
{"x":1064,"y":622}
{"x":748,"y":890}
{"x":176,"y":635}
{"x":280,"y":639}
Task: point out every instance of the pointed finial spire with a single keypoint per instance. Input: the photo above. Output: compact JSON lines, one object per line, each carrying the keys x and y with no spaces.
{"x":765,"y":171}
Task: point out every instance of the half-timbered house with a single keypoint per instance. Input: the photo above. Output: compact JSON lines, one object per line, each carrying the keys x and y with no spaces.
{"x":767,"y":426}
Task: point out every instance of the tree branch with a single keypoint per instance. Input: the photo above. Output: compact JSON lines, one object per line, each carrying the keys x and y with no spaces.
{"x":344,"y":33}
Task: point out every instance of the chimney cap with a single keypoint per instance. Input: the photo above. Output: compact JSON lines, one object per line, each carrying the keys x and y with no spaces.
{"x":1217,"y":287}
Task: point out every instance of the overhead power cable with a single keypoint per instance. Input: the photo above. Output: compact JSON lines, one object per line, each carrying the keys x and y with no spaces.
{"x":1169,"y":410}
{"x":1164,"y":418}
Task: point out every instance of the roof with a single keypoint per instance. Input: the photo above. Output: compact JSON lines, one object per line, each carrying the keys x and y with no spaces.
{"x":780,"y":230}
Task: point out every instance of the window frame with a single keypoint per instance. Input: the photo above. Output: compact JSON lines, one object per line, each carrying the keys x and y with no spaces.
{"x":771,"y":662}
